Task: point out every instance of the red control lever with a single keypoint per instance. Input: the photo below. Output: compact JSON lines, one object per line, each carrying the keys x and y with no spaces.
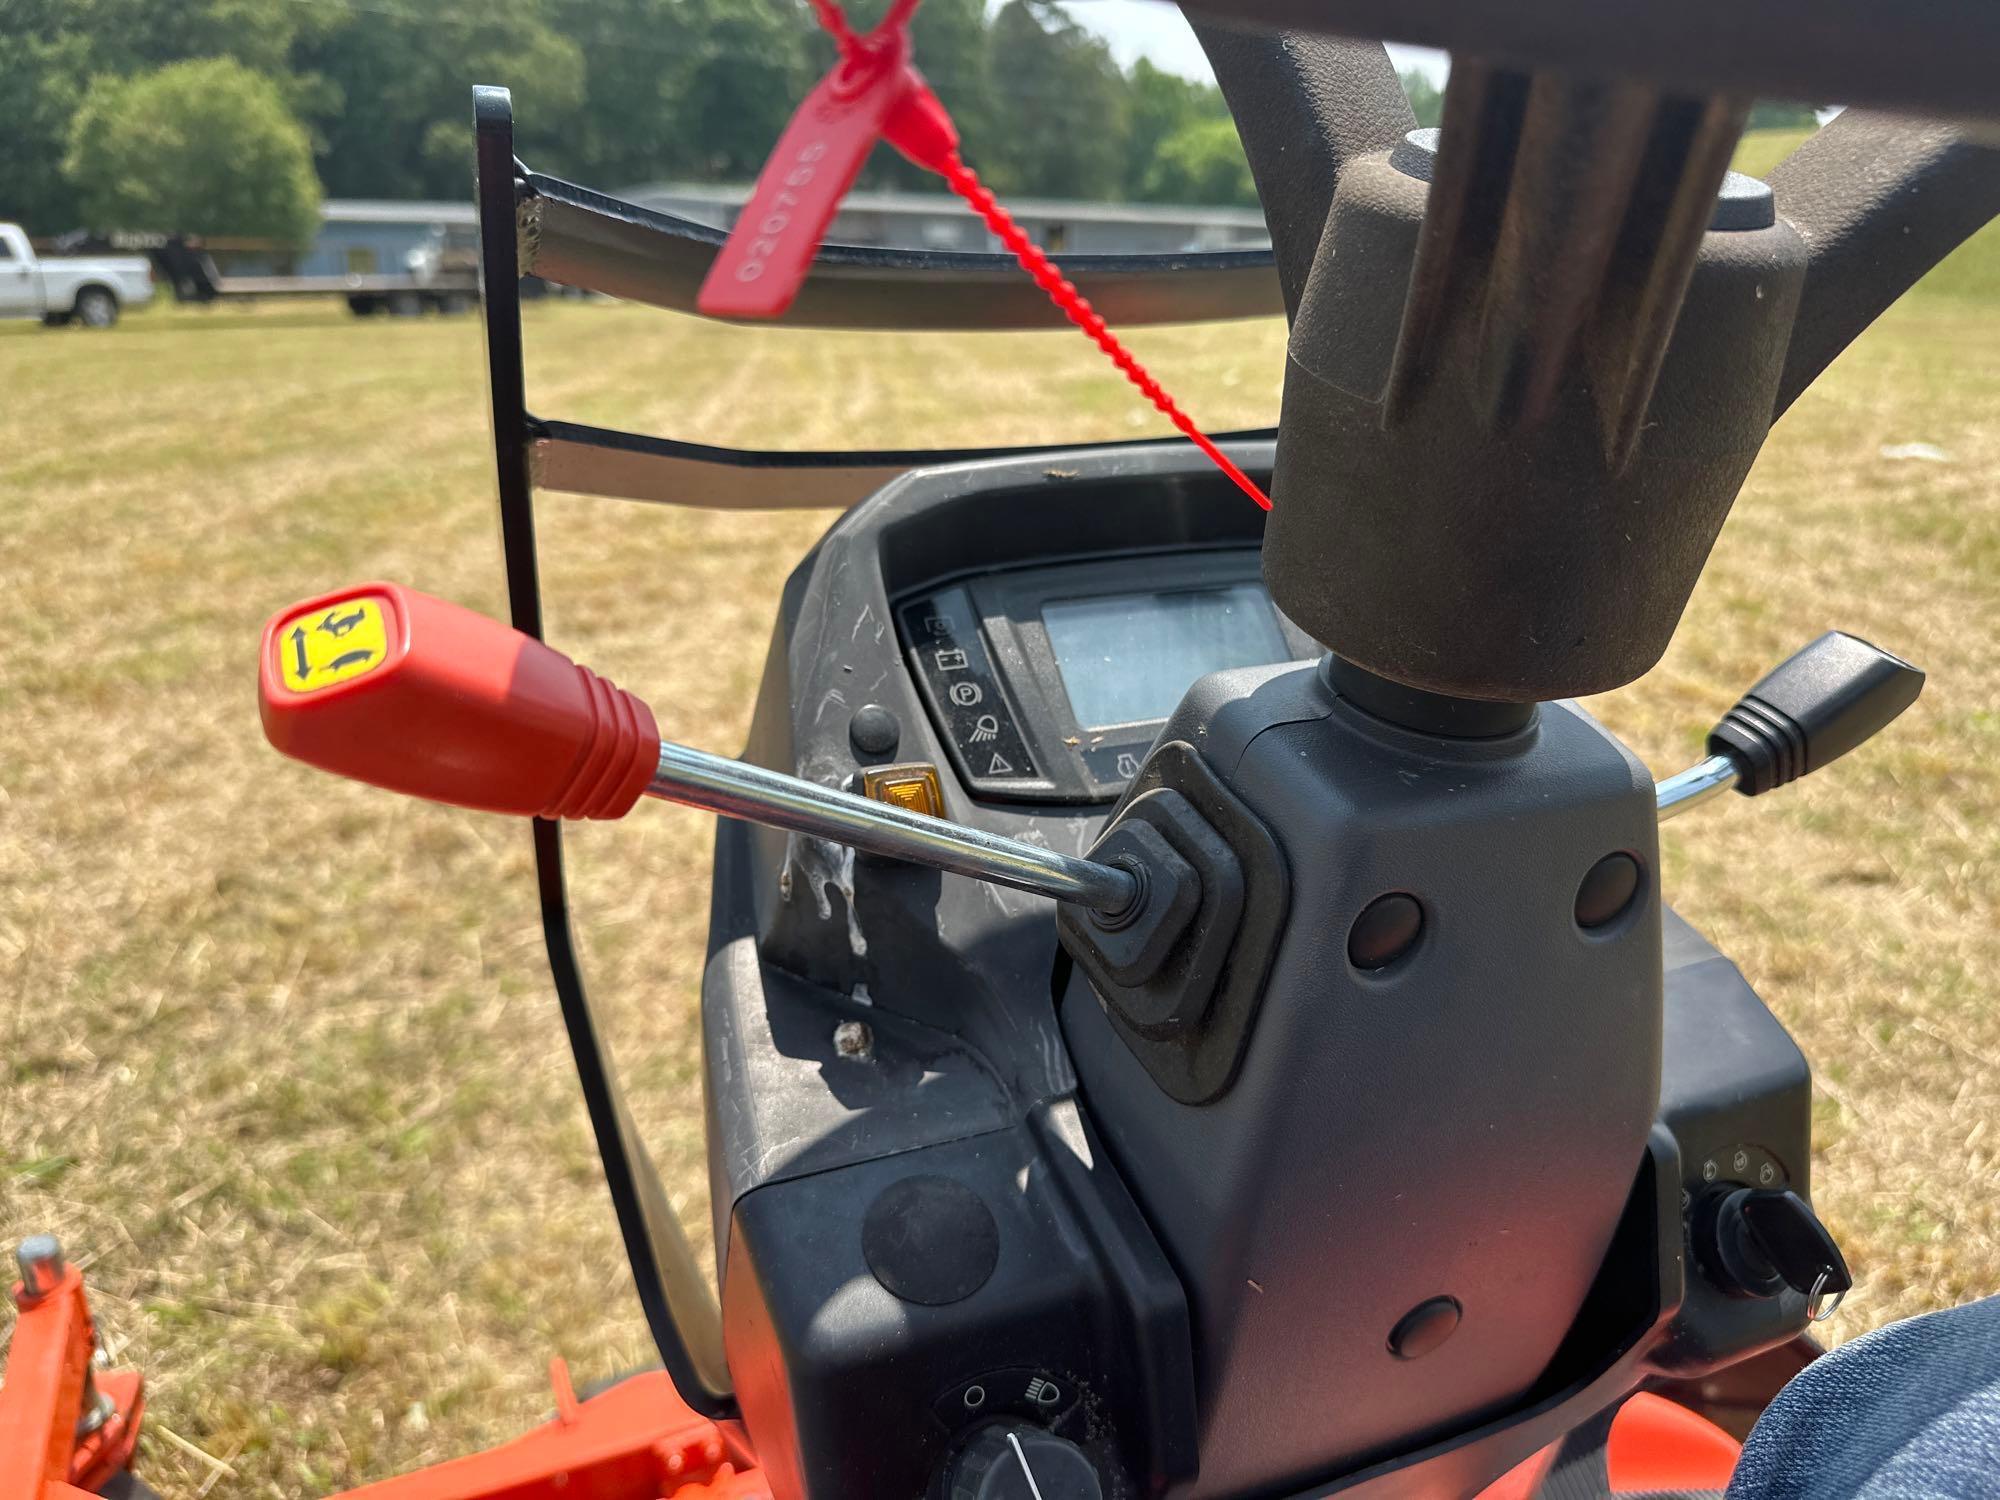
{"x":419,"y":695}
{"x":411,"y":693}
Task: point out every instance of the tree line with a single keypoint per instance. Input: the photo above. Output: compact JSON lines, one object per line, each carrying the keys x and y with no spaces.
{"x":234,"y":117}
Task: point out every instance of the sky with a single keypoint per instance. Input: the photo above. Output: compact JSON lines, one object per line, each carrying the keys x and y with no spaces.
{"x":1155,"y":29}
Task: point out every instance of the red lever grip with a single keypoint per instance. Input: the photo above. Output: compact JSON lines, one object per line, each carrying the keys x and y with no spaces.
{"x":422,"y":696}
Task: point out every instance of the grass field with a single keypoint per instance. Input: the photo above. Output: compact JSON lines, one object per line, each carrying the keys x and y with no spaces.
{"x":282,"y":1065}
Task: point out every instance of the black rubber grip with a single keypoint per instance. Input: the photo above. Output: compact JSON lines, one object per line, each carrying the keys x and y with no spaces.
{"x":1812,"y":710}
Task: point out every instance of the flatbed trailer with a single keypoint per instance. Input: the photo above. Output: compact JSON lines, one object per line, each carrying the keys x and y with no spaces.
{"x":448,"y":281}
{"x":406,"y":295}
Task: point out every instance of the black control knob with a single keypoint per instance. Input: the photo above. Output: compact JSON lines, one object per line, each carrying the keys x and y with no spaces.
{"x":1011,"y":1461}
{"x":1754,"y":1243}
{"x":1812,"y":709}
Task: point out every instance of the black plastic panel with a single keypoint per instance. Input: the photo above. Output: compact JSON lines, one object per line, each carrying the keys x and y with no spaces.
{"x":1738,"y":1097}
{"x":879,"y":1314}
{"x":1468,"y":1122}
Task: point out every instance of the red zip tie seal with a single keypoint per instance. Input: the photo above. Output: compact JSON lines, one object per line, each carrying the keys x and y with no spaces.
{"x":815,"y":162}
{"x":874,"y":93}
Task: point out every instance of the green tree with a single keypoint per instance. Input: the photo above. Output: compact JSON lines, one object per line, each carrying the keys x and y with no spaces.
{"x":129,"y":36}
{"x":627,"y":128}
{"x":1426,"y":98}
{"x":949,"y":39}
{"x":397,"y":85}
{"x":1159,"y":105}
{"x":1061,"y":105}
{"x":51,"y":50}
{"x":611,"y":92}
{"x":740,"y":69}
{"x":204,"y":147}
{"x":1202,"y":162}
{"x":41,"y":85}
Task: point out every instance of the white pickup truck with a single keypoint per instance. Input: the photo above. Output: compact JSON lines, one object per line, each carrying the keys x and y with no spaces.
{"x":88,"y":289}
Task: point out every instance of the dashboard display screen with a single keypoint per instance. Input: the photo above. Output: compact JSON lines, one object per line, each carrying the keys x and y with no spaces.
{"x":1128,"y":658}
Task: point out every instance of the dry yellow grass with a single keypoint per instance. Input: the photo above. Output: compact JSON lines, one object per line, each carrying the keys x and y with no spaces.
{"x":282,"y":1063}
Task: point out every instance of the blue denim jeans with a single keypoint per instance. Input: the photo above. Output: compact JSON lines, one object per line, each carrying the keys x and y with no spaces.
{"x":1908,"y":1412}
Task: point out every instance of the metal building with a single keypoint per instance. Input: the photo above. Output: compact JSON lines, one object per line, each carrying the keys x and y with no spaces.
{"x":939,"y":221}
{"x":363,"y":237}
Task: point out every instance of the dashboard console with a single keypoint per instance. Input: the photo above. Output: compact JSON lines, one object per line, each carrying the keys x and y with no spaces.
{"x":928,"y":1200}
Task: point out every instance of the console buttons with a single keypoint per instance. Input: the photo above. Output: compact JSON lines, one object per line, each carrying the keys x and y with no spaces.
{"x":947,"y":652}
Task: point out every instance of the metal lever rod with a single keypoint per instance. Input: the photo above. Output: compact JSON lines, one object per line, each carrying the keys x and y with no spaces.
{"x":758,"y":795}
{"x":1700,"y":782}
{"x":1819,"y":704}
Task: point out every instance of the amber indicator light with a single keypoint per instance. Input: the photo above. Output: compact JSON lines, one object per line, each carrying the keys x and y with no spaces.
{"x":914,"y":787}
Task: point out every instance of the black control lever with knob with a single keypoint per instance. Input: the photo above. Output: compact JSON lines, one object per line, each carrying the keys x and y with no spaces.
{"x":1813,"y":709}
{"x":1806,"y":713}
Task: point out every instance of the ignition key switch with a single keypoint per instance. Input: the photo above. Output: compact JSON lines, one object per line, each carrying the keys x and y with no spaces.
{"x":1755,"y":1242}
